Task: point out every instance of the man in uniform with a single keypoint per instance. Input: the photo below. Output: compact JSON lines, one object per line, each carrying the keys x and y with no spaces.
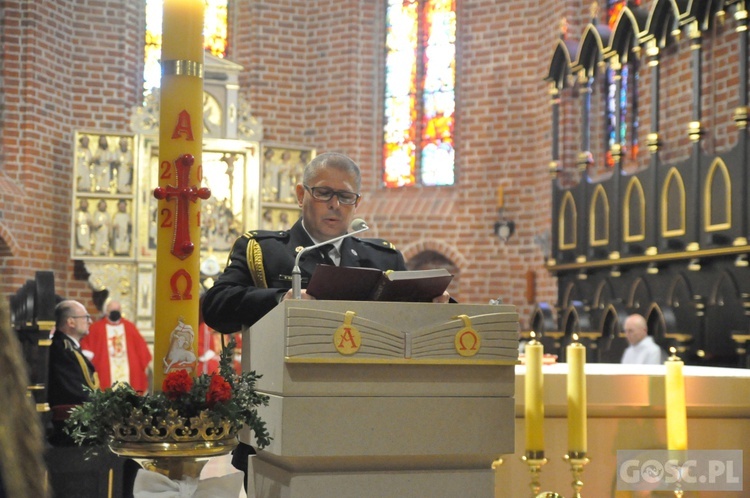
{"x":69,"y":369}
{"x":258,"y":274}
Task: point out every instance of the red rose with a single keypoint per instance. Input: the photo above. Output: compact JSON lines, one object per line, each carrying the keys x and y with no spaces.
{"x":219,"y":391}
{"x":176,"y":384}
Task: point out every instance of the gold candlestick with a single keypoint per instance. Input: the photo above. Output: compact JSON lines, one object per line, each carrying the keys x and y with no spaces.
{"x":577,"y":460}
{"x":535,"y":460}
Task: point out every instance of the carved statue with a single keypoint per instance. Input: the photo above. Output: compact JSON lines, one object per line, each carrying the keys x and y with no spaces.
{"x":102,"y":228}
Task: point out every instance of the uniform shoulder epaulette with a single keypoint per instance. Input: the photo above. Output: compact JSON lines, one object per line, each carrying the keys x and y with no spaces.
{"x":265,"y":234}
{"x":380,"y":244}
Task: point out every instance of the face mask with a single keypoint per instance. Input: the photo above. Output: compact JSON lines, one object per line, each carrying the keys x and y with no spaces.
{"x":115,"y":315}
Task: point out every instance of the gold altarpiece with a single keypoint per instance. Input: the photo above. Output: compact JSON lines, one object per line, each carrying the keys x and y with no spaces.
{"x":113,"y":231}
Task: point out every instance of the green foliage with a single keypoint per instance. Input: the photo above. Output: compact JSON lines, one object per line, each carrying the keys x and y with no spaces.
{"x":94,"y":422}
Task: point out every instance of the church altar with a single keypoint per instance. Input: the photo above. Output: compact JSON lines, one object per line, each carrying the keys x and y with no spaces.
{"x":626,"y":411}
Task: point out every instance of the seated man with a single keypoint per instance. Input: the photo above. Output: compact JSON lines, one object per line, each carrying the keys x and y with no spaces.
{"x":642,"y":349}
{"x":258,"y":276}
{"x":69,"y":369}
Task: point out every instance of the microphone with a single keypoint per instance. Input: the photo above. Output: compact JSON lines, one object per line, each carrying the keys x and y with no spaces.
{"x":357,"y":225}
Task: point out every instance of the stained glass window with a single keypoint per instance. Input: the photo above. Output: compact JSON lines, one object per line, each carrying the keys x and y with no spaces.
{"x":420,"y":74}
{"x":626,"y":135}
{"x":214,"y":32}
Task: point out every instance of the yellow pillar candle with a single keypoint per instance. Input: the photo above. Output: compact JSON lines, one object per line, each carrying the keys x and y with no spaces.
{"x":534,"y":397}
{"x":180,"y":172}
{"x":576,"y":358}
{"x":675,"y":401}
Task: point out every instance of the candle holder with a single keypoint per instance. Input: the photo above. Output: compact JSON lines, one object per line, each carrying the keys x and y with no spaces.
{"x":535,"y":460}
{"x":577,"y":459}
{"x":678,"y":485}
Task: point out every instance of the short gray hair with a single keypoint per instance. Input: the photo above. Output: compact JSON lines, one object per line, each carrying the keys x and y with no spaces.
{"x":63,"y":311}
{"x":332,"y":160}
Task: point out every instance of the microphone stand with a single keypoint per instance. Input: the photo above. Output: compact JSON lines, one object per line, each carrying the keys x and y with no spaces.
{"x":297,"y":273}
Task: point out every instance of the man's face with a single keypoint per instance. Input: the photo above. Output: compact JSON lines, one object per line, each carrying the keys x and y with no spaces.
{"x":325,"y":220}
{"x":634,"y":331}
{"x":79,"y":322}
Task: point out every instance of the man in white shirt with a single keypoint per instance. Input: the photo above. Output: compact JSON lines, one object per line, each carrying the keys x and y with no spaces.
{"x":642,"y":350}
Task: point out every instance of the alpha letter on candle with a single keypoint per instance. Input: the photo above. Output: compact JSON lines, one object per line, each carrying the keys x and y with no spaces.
{"x":180,"y":172}
{"x":576,"y":358}
{"x":534,"y":398}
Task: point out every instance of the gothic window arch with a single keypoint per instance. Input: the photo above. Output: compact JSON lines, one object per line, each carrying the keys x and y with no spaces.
{"x":623,"y":81}
{"x":419,"y":107}
{"x":593,"y":90}
{"x":634,"y":214}
{"x":599,"y":218}
{"x":567,"y":222}
{"x":673,"y":204}
{"x":718,"y":197}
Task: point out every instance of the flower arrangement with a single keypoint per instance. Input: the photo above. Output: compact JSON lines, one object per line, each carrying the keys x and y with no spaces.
{"x":209,"y":407}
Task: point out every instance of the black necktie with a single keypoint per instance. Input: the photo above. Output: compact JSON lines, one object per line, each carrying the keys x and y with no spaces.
{"x":325,"y":252}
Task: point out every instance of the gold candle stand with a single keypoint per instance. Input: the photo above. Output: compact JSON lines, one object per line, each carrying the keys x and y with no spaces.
{"x":535,"y":460}
{"x":576,"y":460}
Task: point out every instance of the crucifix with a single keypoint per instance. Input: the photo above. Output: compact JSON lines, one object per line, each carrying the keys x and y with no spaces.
{"x":182,"y":246}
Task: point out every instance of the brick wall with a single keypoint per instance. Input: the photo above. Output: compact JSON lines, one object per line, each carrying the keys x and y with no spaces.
{"x":66,"y":65}
{"x":313,"y":75}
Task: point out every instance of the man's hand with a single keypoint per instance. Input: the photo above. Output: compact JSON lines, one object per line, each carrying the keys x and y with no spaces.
{"x":444,"y":298}
{"x":303,"y":295}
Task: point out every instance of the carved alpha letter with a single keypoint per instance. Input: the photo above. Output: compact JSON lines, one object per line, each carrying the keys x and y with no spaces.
{"x":183,"y":126}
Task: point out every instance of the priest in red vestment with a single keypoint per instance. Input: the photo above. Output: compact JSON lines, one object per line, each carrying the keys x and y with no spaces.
{"x":117,"y":350}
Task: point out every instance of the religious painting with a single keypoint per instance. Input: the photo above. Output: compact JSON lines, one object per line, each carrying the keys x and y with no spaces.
{"x":104,"y":163}
{"x":222,"y":214}
{"x":147,"y":212}
{"x":281,"y":170}
{"x":278,"y":218}
{"x":230,"y":171}
{"x":103,"y":214}
{"x":145,"y":293}
{"x":102,"y":228}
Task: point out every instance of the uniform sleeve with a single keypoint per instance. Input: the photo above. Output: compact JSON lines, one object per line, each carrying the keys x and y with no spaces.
{"x":234,"y":301}
{"x":66,"y":380}
{"x":380,"y":254}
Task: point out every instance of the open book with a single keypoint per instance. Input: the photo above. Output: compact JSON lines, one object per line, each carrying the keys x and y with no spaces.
{"x":350,"y":283}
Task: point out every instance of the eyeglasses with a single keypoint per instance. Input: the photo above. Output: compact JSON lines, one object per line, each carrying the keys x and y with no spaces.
{"x":326,"y":194}
{"x":87,"y":317}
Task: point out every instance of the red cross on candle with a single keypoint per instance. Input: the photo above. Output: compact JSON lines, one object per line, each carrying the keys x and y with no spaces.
{"x":182,"y":246}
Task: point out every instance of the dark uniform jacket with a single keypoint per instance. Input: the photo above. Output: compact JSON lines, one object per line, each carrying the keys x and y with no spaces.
{"x":244,"y":293}
{"x":69,"y":372}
